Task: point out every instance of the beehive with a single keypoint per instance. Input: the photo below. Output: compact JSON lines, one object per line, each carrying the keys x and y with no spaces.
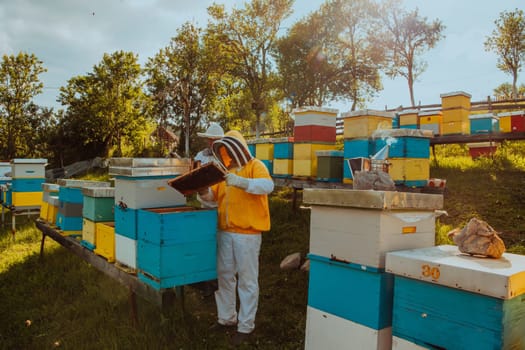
{"x":361,"y":124}
{"x":126,"y":251}
{"x":485,"y":123}
{"x":329,"y":166}
{"x":28,"y":168}
{"x":105,"y":240}
{"x":410,"y":172}
{"x":478,"y":302}
{"x":512,"y":121}
{"x":26,"y":199}
{"x":327,"y":331}
{"x":146,"y":192}
{"x":176,"y":246}
{"x":409,"y":118}
{"x":314,"y":124}
{"x":98,"y":203}
{"x":283,"y":167}
{"x":305,"y":160}
{"x":264,"y":151}
{"x":403,"y":143}
{"x":125,"y":221}
{"x":360,"y":226}
{"x":283,"y":148}
{"x":431,"y":120}
{"x":455,"y":99}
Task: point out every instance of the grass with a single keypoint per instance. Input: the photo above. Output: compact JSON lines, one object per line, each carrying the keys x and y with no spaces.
{"x":62,"y":302}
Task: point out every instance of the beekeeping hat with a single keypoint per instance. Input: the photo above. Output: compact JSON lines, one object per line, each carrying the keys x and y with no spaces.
{"x":232,"y":146}
{"x":214,"y":131}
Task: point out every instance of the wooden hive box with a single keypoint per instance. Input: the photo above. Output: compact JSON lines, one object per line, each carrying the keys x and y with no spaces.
{"x":485,"y":123}
{"x":146,"y":192}
{"x":329,"y":166}
{"x":455,"y":99}
{"x":126,"y":251}
{"x":361,"y":226}
{"x":27,"y":184}
{"x":283,"y":149}
{"x":328,"y":331}
{"x":478,"y":303}
{"x":361,"y":124}
{"x":98,"y":203}
{"x":125,"y":221}
{"x":28,"y":168}
{"x":26,"y":199}
{"x":403,"y":143}
{"x":105,"y":240}
{"x":283,"y":167}
{"x":431,"y":120}
{"x":264,"y":151}
{"x":176,"y":246}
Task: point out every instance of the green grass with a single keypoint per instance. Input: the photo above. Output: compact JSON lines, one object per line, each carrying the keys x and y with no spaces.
{"x":71,"y":305}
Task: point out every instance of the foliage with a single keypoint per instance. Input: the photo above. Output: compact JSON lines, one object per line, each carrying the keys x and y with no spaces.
{"x":406,"y":36}
{"x":244,"y":41}
{"x":505,"y":91}
{"x":20,"y":117}
{"x":105,"y":109}
{"x":182,"y":83}
{"x":508,"y":42}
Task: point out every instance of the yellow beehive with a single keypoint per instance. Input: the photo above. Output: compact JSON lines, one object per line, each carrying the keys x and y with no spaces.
{"x":306,"y":151}
{"x":283,"y":166}
{"x":505,"y":124}
{"x":305,"y":167}
{"x":44,"y":206}
{"x":88,"y":231}
{"x":105,"y":240}
{"x":361,"y":124}
{"x":264,"y":151}
{"x":455,"y":99}
{"x":431,"y":121}
{"x":27,"y":199}
{"x":408,"y":117}
{"x":408,"y":170}
{"x":455,"y":114}
{"x":457,"y":127}
{"x":52,"y":214}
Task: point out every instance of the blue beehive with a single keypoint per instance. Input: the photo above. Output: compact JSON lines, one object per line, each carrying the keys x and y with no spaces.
{"x":176,"y":246}
{"x":354,"y":292}
{"x":484,"y":123}
{"x":355,"y":148}
{"x":125,"y":221}
{"x":479,"y":303}
{"x":283,"y":150}
{"x":405,"y":147}
{"x":27,"y":185}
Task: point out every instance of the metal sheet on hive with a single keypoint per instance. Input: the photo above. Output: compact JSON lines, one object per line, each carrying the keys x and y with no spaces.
{"x":148,"y":162}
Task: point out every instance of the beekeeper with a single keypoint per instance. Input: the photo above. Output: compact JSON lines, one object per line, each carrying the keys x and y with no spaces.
{"x":213,"y":133}
{"x":243,"y":214}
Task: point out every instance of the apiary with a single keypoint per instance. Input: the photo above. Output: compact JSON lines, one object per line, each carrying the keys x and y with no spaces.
{"x":328,"y":331}
{"x":478,"y":302}
{"x":360,"y":226}
{"x":176,"y":246}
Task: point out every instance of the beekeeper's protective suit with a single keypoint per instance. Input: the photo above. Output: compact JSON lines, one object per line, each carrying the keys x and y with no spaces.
{"x":243,"y":213}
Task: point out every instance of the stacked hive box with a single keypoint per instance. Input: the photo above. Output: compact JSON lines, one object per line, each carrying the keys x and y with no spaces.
{"x":176,"y":246}
{"x":27,"y":177}
{"x":446,"y":300}
{"x":70,"y":203}
{"x":408,"y":154}
{"x":455,"y":107}
{"x":283,"y":157}
{"x":431,"y":120}
{"x":330,"y":166}
{"x":486,"y":123}
{"x":314,"y":130}
{"x":349,"y":293}
{"x":358,"y":127}
{"x":512,"y":121}
{"x":408,"y":119}
{"x":140,"y":183}
{"x":47,"y":208}
{"x":5,"y":172}
{"x":97,"y":210}
{"x":264,"y":152}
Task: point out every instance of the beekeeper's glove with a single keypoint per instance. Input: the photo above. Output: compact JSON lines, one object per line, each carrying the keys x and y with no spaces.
{"x":237,"y":181}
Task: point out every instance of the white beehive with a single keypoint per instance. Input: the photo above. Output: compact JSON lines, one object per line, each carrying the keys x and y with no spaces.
{"x":360,"y":226}
{"x":327,"y":331}
{"x":138,"y":193}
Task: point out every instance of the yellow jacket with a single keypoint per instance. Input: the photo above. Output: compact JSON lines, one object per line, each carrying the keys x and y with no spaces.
{"x":240,"y":211}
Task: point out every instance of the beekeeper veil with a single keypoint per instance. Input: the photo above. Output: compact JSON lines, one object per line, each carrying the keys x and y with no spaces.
{"x":232,"y":147}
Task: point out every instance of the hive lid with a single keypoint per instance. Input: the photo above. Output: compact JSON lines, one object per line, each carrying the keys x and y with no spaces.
{"x":148,"y":171}
{"x":29,"y":161}
{"x":201,"y":177}
{"x":148,"y":162}
{"x":384,"y":133}
{"x":81,"y":183}
{"x":99,"y":192}
{"x":445,"y":265}
{"x":368,"y":112}
{"x":367,"y":199}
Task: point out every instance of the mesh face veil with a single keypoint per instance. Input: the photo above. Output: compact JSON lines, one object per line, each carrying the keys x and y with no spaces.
{"x":229,"y":148}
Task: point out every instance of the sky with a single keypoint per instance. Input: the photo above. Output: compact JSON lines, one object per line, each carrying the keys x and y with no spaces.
{"x":71,"y":37}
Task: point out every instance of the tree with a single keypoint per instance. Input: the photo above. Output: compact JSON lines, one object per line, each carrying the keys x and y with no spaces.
{"x":181,"y":81}
{"x":505,"y":91}
{"x":508,"y":42}
{"x":245,"y":39}
{"x":19,"y":83}
{"x":106,"y":107}
{"x":406,"y":36}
